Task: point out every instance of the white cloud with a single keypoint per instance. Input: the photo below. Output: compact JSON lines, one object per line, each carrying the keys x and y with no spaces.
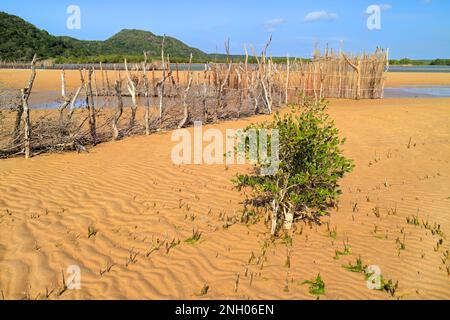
{"x":320,"y":15}
{"x":272,"y":25}
{"x":385,"y":6}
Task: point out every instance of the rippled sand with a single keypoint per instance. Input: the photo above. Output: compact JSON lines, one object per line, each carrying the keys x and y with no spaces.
{"x":134,"y":197}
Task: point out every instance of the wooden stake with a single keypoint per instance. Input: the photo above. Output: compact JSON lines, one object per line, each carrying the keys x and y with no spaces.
{"x":147,"y":96}
{"x":132,"y":90}
{"x":119,"y":109}
{"x":185,"y":95}
{"x":26,"y":110}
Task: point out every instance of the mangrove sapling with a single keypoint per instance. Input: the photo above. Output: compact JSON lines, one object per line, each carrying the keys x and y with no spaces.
{"x":439,"y":245}
{"x":413,"y":220}
{"x":445,"y":257}
{"x":332,"y":233}
{"x":357,"y":268}
{"x":107,"y":269}
{"x":64,"y":286}
{"x":347,"y":250}
{"x":316,"y":286}
{"x":401,"y":245}
{"x":388,"y":286}
{"x":376,"y":212}
{"x":305,"y":186}
{"x":132,"y":258}
{"x":236,"y":283}
{"x":196,"y":235}
{"x":204,"y":290}
{"x":92,"y":232}
{"x":171,"y":245}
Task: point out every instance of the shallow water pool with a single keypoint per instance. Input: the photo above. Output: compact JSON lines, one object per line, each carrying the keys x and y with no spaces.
{"x":418,"y":92}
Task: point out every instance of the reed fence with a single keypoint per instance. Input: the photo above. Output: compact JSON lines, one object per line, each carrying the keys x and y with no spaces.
{"x":174,"y":98}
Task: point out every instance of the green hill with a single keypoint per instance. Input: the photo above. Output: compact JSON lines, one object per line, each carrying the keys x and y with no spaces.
{"x":19,"y":40}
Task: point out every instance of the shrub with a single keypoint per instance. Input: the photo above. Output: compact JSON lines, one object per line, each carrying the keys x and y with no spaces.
{"x":305,"y":186}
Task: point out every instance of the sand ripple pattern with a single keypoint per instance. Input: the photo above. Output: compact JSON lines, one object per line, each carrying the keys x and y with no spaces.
{"x":139,"y":203}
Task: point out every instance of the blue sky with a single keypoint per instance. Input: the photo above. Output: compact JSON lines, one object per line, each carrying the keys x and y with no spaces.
{"x":410,"y":28}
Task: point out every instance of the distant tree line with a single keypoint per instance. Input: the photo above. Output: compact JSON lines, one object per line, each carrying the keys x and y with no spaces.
{"x":407,"y":61}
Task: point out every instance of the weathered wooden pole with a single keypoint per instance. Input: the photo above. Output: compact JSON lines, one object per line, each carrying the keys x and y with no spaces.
{"x":357,"y":68}
{"x":26,"y":110}
{"x":119,"y":109}
{"x":91,"y":108}
{"x":132,"y":90}
{"x":287,"y":80}
{"x":147,"y":96}
{"x":185,"y":95}
{"x":161,"y":84}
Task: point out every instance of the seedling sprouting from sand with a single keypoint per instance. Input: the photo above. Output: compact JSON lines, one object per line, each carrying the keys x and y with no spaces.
{"x":377,"y":235}
{"x":252,"y":257}
{"x":236,"y":283}
{"x":92,"y":232}
{"x":359,"y":267}
{"x":347,"y":250}
{"x":413,"y":220}
{"x":316,"y":286}
{"x":332,"y":233}
{"x":249,"y":216}
{"x":171,"y":245}
{"x":196,"y":235}
{"x":107,"y":269}
{"x":155,"y":247}
{"x":286,"y":285}
{"x":64,"y":286}
{"x":288,"y":259}
{"x":392,"y":211}
{"x":376,"y":212}
{"x":36,"y":246}
{"x":388,"y":286}
{"x":401,"y":244}
{"x":132,"y":258}
{"x":439,"y":245}
{"x":410,"y":144}
{"x":445,"y":257}
{"x":204,"y":290}
{"x":287,"y":240}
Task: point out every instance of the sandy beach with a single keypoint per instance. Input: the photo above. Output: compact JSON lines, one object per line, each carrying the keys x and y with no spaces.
{"x":123,"y":211}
